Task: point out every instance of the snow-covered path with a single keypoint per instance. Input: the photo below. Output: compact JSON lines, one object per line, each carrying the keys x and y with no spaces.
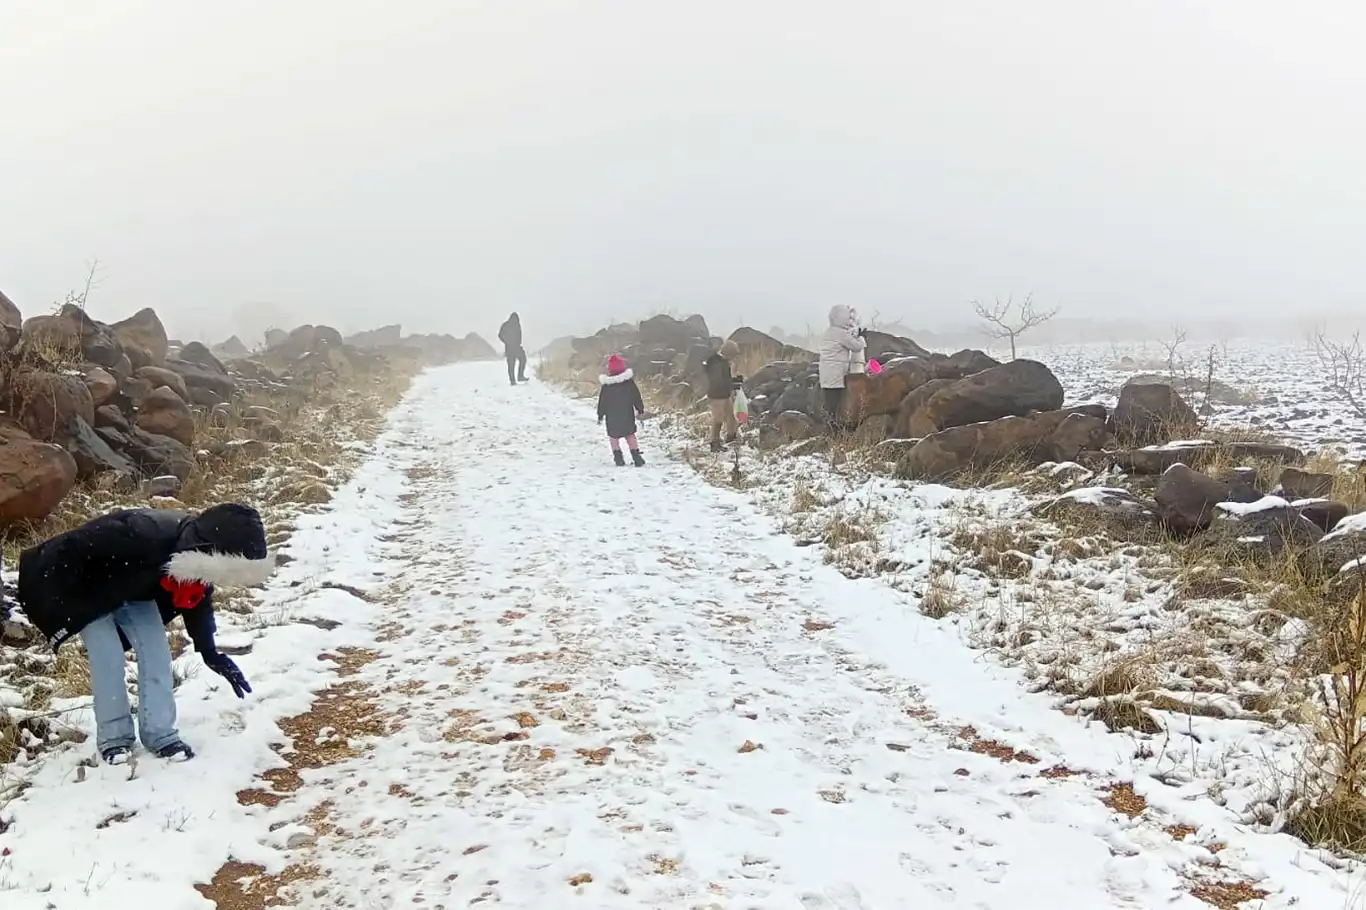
{"x":622,"y":688}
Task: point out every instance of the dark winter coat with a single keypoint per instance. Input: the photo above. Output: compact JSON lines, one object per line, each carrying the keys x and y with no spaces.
{"x":719,"y":384}
{"x":619,"y":402}
{"x":75,"y":578}
{"x":510,"y":334}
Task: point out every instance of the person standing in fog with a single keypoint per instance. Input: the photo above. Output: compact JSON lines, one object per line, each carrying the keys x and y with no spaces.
{"x":841,"y":354}
{"x":510,"y":334}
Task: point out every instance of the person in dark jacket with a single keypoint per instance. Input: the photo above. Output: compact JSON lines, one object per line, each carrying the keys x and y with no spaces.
{"x":117,"y":581}
{"x":720,"y":389}
{"x":510,"y":334}
{"x":619,"y":403}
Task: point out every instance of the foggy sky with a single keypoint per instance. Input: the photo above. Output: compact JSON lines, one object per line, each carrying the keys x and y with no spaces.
{"x":440,"y":163}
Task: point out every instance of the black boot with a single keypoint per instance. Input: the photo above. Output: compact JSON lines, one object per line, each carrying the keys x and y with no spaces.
{"x":636,"y":458}
{"x":176,"y":751}
{"x":716,"y":445}
{"x":619,"y":458}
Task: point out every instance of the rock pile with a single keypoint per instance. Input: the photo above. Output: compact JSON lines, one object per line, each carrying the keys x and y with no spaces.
{"x":121,"y":404}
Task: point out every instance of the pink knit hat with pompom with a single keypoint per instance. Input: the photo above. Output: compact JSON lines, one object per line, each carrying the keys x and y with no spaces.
{"x":616,"y":365}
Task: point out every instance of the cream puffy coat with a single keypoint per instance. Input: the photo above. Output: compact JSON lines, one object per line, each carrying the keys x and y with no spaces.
{"x":842,"y":349}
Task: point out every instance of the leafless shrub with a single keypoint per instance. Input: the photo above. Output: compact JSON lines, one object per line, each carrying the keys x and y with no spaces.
{"x":1007,"y":321}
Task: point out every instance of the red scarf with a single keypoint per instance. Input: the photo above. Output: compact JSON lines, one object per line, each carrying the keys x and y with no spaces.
{"x":184,"y":594}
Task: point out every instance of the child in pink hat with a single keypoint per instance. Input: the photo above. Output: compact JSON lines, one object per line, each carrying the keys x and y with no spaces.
{"x":619,"y":403}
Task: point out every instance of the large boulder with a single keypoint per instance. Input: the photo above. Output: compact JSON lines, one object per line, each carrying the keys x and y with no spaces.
{"x":11,"y":324}
{"x":868,"y":395}
{"x":211,"y":376}
{"x":1297,"y":484}
{"x":1048,"y":436}
{"x":160,"y":377}
{"x":155,"y":455}
{"x":1010,"y":390}
{"x":475,"y":347}
{"x":102,"y":385}
{"x":670,"y":332}
{"x":384,"y":336}
{"x":882,"y":346}
{"x":143,"y":338}
{"x":911,"y":405}
{"x":165,"y":413}
{"x":34,"y":477}
{"x":232,"y":348}
{"x":1197,"y":454}
{"x":1149,"y":413}
{"x":1266,"y":527}
{"x":45,"y":404}
{"x":94,"y":455}
{"x":97,"y":341}
{"x":1186,"y":499}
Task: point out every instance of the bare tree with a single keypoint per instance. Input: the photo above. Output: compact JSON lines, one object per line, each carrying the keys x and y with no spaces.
{"x":1175,"y":363}
{"x":1005,"y":320}
{"x":1344,"y":368}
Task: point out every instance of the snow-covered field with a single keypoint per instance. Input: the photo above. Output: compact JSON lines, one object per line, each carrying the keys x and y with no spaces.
{"x":1286,"y":380}
{"x":548,"y":680}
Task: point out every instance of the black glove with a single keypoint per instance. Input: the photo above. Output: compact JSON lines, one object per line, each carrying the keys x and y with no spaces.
{"x":225,"y":667}
{"x":862,"y":333}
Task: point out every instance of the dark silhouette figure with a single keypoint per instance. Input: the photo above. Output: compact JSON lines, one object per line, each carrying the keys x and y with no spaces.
{"x":510,"y":334}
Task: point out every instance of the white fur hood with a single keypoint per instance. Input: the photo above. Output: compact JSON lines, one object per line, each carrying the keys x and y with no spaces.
{"x":620,"y":377}
{"x":221,"y":569}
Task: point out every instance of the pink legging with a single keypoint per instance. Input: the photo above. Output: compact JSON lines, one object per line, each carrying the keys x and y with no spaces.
{"x":630,"y":443}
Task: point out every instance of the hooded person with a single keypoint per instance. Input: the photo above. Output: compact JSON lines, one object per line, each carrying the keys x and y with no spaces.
{"x":117,"y":581}
{"x":841,"y":354}
{"x":619,"y":403}
{"x":720,"y":389}
{"x":510,"y":334}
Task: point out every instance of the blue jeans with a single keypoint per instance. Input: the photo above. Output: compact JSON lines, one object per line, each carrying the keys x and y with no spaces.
{"x":141,"y":623}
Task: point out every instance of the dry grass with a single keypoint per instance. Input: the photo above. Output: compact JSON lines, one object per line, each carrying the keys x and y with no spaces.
{"x":280,"y":478}
{"x":941,"y":597}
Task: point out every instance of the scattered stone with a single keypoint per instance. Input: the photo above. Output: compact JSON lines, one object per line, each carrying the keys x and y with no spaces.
{"x":143,"y":338}
{"x":46,"y":404}
{"x":1297,"y":484}
{"x":1186,"y":499}
{"x":1149,"y":413}
{"x":160,"y":377}
{"x":102,"y":385}
{"x":1197,"y":453}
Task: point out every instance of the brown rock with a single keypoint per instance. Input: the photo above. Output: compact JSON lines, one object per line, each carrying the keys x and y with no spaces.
{"x":1079,"y":432}
{"x":1010,"y":390}
{"x":161,"y":377}
{"x":110,"y":416}
{"x":164,"y":413}
{"x":1186,"y":498}
{"x":907,"y":426}
{"x":102,"y":385}
{"x":93,"y":454}
{"x":45,"y":404}
{"x":11,"y":323}
{"x":1325,"y":513}
{"x":52,"y":337}
{"x":882,"y":393}
{"x":34,"y":477}
{"x":995,"y":443}
{"x":1156,"y":459}
{"x":1149,"y":413}
{"x":143,"y":338}
{"x":794,"y":425}
{"x":1297,"y":484}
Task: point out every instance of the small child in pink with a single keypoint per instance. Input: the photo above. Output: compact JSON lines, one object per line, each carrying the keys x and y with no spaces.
{"x":619,"y":403}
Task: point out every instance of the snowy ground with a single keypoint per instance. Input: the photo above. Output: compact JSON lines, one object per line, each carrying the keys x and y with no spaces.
{"x":623,"y":688}
{"x":1285,"y":379}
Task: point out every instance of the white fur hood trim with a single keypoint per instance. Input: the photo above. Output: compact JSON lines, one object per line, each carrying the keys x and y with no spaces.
{"x":620,"y":377}
{"x":221,"y":569}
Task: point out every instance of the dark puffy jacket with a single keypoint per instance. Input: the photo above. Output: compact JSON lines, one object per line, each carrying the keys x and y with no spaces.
{"x":510,"y":334}
{"x":619,"y":402}
{"x":77,"y":577}
{"x":719,"y":384}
